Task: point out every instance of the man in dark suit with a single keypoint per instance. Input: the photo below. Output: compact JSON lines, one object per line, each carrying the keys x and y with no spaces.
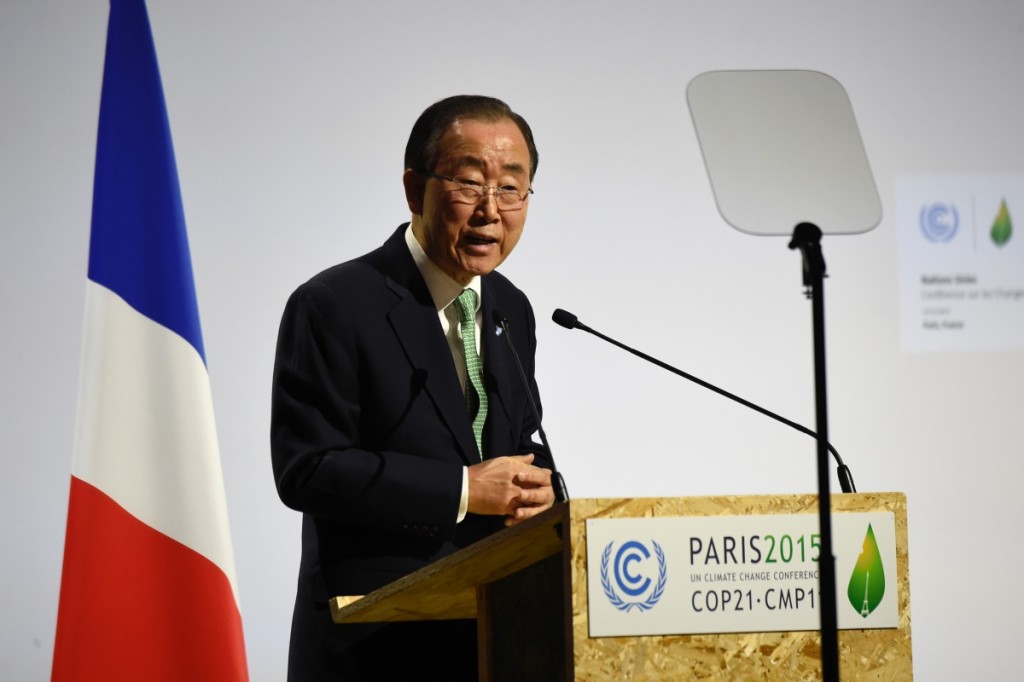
{"x":387,"y":434}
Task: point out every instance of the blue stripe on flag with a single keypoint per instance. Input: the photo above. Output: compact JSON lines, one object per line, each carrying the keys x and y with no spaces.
{"x":139,"y":246}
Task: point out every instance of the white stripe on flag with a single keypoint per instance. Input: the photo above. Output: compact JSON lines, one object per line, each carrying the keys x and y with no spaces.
{"x":146,"y":434}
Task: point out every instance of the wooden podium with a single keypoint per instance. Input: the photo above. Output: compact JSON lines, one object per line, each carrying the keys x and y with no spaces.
{"x":527,"y":588}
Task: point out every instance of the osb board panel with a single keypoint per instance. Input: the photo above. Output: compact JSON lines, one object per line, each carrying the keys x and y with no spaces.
{"x":873,"y":655}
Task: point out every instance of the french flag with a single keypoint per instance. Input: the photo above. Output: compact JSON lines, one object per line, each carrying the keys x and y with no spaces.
{"x":148,"y":590}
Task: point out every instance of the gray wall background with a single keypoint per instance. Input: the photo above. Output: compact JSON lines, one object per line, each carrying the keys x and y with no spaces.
{"x":289,"y":121}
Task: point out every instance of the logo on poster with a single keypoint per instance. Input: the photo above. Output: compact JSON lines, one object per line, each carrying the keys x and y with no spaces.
{"x":630,"y":572}
{"x":939,"y":221}
{"x":867,"y":583}
{"x":1002,"y":226}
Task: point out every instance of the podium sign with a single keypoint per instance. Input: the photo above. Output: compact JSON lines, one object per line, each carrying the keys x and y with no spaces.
{"x":677,"y":575}
{"x":537,"y":573}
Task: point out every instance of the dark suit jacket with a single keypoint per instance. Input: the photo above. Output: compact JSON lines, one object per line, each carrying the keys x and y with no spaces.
{"x":370,"y":431}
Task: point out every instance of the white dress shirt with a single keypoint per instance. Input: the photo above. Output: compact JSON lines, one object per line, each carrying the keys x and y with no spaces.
{"x":444,"y":290}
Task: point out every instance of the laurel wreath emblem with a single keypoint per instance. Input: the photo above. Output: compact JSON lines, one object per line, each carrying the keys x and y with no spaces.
{"x":627,"y":606}
{"x":939,"y":221}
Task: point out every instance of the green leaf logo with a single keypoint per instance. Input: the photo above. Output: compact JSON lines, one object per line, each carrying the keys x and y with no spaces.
{"x":867,"y":584}
{"x":1002,"y":228}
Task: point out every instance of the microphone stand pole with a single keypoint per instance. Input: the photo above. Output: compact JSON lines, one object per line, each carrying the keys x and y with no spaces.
{"x":807,"y":238}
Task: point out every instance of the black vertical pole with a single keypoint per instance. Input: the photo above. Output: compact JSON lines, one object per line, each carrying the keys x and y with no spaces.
{"x":807,"y":238}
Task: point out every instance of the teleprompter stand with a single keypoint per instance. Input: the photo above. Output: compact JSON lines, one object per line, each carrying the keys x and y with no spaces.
{"x":782,"y":148}
{"x":807,"y":238}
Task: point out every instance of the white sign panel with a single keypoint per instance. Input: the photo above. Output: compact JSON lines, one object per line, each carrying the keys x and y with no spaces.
{"x":715,"y":574}
{"x":961,"y":262}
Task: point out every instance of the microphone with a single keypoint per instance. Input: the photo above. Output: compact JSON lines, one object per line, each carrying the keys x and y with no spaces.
{"x":566,"y":319}
{"x":557,"y":482}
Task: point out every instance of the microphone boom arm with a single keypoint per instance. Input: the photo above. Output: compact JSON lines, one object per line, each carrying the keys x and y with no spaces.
{"x":570,"y":321}
{"x":557,"y":482}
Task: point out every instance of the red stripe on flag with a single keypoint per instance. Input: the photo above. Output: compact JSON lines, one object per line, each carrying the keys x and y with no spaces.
{"x":137,"y":605}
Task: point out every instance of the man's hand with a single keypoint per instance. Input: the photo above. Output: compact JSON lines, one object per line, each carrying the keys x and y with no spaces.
{"x":510,"y":487}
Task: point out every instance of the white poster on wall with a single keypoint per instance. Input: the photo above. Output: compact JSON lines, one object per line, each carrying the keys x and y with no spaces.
{"x":961,"y":262}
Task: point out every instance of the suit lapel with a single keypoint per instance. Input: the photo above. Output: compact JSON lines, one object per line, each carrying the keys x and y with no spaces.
{"x":415,"y":322}
{"x":499,"y":372}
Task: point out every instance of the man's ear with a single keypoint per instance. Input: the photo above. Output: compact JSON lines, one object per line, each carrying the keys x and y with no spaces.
{"x":415,"y":186}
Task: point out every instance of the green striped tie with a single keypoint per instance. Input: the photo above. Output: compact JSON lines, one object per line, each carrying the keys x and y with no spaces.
{"x":476,"y":396}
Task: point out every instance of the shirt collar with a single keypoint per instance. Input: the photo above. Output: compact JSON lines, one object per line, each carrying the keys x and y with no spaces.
{"x":443,"y":289}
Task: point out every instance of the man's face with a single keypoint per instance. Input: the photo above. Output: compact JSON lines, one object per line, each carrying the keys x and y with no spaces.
{"x":471,"y":239}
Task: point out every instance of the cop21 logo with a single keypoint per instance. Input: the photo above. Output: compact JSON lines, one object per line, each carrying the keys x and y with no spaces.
{"x":867,"y":582}
{"x":623,"y":572}
{"x":940,"y":222}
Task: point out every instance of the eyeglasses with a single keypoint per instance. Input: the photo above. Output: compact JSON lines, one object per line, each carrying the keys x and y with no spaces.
{"x":471,"y":192}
